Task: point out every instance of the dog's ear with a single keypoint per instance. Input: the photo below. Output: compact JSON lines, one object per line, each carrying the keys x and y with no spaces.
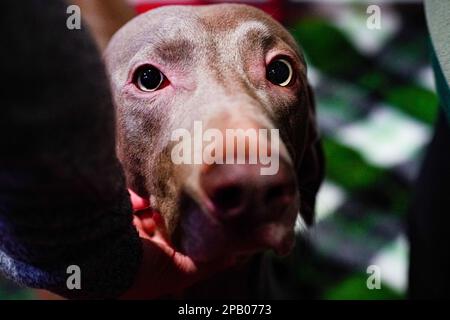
{"x":310,"y":171}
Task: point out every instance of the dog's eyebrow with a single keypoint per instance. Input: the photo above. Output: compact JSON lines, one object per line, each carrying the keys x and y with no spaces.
{"x":262,"y":39}
{"x":175,"y":51}
{"x":256,"y":33}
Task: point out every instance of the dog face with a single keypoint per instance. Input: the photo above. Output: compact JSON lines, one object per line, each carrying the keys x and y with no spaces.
{"x":225,"y":67}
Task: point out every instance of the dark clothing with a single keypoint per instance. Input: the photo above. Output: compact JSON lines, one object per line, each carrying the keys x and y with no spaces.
{"x":63,"y":199}
{"x":442,"y":87}
{"x":429,"y":220}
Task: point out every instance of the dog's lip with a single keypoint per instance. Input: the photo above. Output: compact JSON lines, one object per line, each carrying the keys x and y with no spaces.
{"x":274,"y":236}
{"x":239,"y":252}
{"x":282,"y":249}
{"x":236,"y":242}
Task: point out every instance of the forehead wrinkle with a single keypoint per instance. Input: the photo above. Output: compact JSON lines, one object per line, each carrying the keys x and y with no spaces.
{"x":226,"y":50}
{"x":141,"y":37}
{"x":254,"y":31}
{"x":175,"y":51}
{"x":248,"y":39}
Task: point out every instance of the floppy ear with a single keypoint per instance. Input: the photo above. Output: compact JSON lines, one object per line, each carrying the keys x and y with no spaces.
{"x":310,"y":171}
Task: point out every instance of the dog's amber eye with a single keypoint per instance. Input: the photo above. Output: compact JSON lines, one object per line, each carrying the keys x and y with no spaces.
{"x":148,"y":78}
{"x":279,"y":72}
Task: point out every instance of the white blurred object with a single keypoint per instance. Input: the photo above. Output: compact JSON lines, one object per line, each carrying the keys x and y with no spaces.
{"x":329,"y":198}
{"x":353,"y":22}
{"x":393,"y":262}
{"x":426,"y":78}
{"x":386,"y":138}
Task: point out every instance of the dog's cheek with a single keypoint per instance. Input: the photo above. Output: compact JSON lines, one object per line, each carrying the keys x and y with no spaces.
{"x":130,"y":156}
{"x":138,"y":129}
{"x":164,"y":186}
{"x":311,"y":174}
{"x":311,"y":169}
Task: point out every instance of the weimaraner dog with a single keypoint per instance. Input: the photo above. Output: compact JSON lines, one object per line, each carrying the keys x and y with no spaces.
{"x":226,"y":66}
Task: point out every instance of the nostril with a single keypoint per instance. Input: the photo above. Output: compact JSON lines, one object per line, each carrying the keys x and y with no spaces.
{"x":279,"y":193}
{"x":228,"y":199}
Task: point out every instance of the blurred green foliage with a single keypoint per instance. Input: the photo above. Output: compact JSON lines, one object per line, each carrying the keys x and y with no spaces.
{"x":327,"y":48}
{"x":347,"y":167}
{"x":354,"y":287}
{"x":414,"y":100}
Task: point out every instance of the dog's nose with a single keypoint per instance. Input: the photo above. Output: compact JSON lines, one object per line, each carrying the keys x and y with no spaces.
{"x":242,"y":190}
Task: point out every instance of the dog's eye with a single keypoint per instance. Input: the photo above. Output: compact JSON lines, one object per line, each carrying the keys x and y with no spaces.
{"x":148,"y":78}
{"x":279,"y":72}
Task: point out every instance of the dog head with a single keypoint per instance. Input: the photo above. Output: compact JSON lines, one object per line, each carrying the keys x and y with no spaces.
{"x":182,"y":79}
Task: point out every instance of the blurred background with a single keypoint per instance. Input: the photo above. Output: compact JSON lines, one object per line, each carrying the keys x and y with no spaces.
{"x":376,"y":107}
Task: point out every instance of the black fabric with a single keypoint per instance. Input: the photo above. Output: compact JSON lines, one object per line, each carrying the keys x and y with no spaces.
{"x":63,"y":199}
{"x":429,"y":220}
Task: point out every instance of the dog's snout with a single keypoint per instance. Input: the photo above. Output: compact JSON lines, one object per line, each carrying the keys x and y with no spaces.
{"x":239,"y":192}
{"x":241,"y":188}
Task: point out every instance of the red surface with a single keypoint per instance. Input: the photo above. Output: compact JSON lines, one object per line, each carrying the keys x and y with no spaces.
{"x":272,"y":7}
